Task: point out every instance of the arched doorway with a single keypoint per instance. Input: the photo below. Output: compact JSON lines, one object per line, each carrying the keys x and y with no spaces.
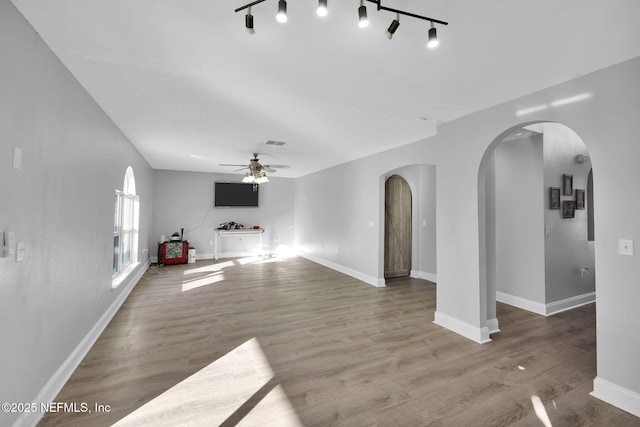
{"x":398,"y":227}
{"x":537,"y":254}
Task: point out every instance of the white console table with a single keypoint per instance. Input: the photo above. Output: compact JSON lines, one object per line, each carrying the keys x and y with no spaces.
{"x":236,"y":232}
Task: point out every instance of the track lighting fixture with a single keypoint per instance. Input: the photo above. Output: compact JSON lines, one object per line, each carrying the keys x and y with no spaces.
{"x":433,"y":37}
{"x":282,"y":11}
{"x":322,"y":8}
{"x":248,"y":22}
{"x":363,"y":21}
{"x":393,"y":27}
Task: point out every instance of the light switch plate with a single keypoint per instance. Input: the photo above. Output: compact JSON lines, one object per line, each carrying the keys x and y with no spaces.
{"x":9,"y":243}
{"x":17,"y":158}
{"x":625,"y":247}
{"x":19,"y":251}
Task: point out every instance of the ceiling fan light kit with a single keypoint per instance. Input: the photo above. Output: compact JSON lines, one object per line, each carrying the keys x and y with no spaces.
{"x":363,"y":20}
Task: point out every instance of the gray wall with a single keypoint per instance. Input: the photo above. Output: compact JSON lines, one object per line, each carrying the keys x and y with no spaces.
{"x":520,"y":269}
{"x":185,"y":200}
{"x":60,"y":204}
{"x":566,"y":247}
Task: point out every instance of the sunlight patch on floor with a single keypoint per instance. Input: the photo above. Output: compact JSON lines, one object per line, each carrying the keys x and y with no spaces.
{"x":270,"y":260}
{"x":284,"y":251}
{"x":249,"y":260}
{"x":212,"y":394}
{"x":205,"y":281}
{"x":209,"y":267}
{"x":540,"y":411}
{"x":273,"y":410}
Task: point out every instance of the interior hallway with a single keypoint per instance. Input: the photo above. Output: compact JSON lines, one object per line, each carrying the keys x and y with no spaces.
{"x":290,"y":342}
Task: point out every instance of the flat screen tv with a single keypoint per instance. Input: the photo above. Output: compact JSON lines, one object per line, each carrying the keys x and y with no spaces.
{"x":232,"y":194}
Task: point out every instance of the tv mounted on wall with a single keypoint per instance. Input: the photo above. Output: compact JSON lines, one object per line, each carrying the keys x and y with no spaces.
{"x":231,"y":194}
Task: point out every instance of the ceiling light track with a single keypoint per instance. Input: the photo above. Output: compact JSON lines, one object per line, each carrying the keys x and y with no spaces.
{"x":405,"y":13}
{"x":249,"y":5}
{"x":362,"y":16}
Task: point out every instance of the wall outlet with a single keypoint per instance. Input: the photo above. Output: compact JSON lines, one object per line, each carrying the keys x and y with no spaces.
{"x":625,"y":247}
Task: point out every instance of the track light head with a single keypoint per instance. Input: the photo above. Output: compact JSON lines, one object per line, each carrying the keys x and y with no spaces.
{"x":282,"y":11}
{"x":322,"y":8}
{"x":433,"y":37}
{"x":248,"y":22}
{"x":363,"y":21}
{"x":392,"y":28}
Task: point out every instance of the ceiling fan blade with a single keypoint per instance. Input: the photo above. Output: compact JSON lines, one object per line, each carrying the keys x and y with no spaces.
{"x":241,"y":169}
{"x":227,"y":164}
{"x":277,"y":166}
{"x":268,"y":169}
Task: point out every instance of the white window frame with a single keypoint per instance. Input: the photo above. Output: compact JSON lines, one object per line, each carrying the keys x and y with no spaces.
{"x":125,"y":229}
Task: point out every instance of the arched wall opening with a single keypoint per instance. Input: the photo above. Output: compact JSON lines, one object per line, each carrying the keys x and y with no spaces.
{"x":536,"y":254}
{"x":422,"y":182}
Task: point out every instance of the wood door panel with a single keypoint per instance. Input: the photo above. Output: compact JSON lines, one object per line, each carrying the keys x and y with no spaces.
{"x":397,"y":242}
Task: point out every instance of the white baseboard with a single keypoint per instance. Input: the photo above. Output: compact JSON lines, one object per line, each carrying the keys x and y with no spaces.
{"x":51,"y":389}
{"x":493,"y":325}
{"x":570,"y":303}
{"x":523,"y":303}
{"x":546,"y":309}
{"x":424,"y":275}
{"x":373,"y":281}
{"x":467,"y":330}
{"x":618,"y":396}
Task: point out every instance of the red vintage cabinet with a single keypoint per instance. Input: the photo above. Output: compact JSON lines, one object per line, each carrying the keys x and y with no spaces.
{"x":173,"y":253}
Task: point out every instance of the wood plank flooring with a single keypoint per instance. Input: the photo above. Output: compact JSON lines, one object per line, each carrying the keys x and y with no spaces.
{"x":289,"y":342}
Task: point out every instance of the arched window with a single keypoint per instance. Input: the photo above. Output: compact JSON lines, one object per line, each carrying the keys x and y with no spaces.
{"x":125,"y":227}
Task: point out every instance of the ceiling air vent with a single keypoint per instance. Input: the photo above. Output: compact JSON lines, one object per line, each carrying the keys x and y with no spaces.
{"x":275,"y":143}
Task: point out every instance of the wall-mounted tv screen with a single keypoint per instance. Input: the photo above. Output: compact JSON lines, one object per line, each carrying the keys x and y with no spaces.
{"x":229,"y":194}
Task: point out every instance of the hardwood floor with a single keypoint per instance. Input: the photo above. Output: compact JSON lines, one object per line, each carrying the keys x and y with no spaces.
{"x":289,"y":342}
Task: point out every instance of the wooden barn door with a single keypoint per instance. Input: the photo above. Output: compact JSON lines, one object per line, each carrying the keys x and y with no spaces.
{"x":397,"y":223}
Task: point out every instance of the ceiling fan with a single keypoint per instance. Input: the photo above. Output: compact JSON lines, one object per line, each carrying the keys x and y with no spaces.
{"x":256,"y":170}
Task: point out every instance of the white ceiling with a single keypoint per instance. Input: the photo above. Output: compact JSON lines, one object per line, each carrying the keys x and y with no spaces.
{"x":191,"y":89}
